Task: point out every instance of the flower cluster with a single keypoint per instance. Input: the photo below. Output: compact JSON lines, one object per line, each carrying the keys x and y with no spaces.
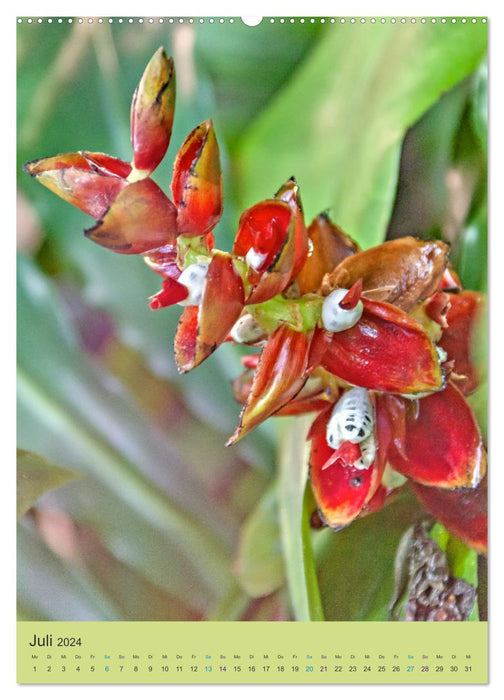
{"x":376,"y":343}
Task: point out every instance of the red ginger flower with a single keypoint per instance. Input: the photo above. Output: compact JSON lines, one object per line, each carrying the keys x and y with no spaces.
{"x":386,"y":382}
{"x":376,"y":341}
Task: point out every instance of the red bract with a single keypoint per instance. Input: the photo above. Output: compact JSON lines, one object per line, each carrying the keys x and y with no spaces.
{"x":123,"y":227}
{"x":385,"y":350}
{"x":462,"y":511}
{"x":152,"y":111}
{"x":435,"y":442}
{"x":289,"y":193}
{"x":280,"y":375}
{"x":88,"y":181}
{"x":197,"y":182}
{"x":402,"y":272}
{"x":340,"y":488}
{"x":329,"y":245}
{"x":204,"y":327}
{"x":266,"y":240}
{"x":458,"y":339}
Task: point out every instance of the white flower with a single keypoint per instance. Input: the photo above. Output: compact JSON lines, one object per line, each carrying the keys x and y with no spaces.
{"x":194,"y":279}
{"x":334,"y":318}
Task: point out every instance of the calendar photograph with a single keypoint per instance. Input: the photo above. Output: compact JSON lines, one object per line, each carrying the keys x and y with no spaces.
{"x":252,"y":339}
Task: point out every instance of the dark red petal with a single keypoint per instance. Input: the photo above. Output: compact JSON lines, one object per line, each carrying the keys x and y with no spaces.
{"x":443,"y":445}
{"x":279,"y":377}
{"x":197,"y":182}
{"x":386,"y":351}
{"x":437,"y":307}
{"x":352,"y":297}
{"x":462,"y":511}
{"x":152,"y":112}
{"x":171,"y":293}
{"x":203,"y":328}
{"x":269,"y":228}
{"x":458,"y":339}
{"x":141,"y":218}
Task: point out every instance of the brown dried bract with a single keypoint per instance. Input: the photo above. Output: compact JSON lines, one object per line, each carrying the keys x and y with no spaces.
{"x":330,"y":245}
{"x":402,"y":272}
{"x":433,"y":593}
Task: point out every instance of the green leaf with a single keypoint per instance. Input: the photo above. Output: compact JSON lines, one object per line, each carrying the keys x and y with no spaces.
{"x":35,"y":476}
{"x":260,"y":566}
{"x":355,"y":566}
{"x":243,"y":87}
{"x":462,"y":561}
{"x":339,"y":123}
{"x":479,"y":105}
{"x":295,"y":512}
{"x":471,"y":251}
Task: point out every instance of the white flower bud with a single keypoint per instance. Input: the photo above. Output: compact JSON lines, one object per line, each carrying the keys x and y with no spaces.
{"x":351,"y":419}
{"x":246,"y":330}
{"x":255,"y":259}
{"x":334,"y":318}
{"x":194,"y":278}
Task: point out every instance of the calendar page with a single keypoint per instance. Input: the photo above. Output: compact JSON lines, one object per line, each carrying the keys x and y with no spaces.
{"x":252,"y":350}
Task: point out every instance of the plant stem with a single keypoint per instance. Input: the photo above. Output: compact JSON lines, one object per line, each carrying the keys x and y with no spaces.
{"x":294,"y":523}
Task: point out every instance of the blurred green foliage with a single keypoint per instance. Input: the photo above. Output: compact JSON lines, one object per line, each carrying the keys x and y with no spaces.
{"x":385,"y":127}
